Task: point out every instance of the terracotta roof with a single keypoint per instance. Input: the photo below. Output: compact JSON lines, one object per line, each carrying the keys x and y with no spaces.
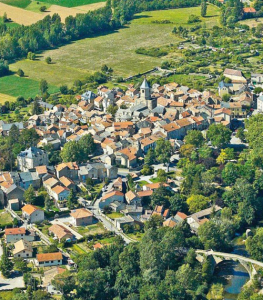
{"x":59,"y":230}
{"x":70,"y":165}
{"x":171,"y":127}
{"x":223,"y":110}
{"x":249,"y":10}
{"x":145,"y":193}
{"x":29,"y":209}
{"x":41,"y":169}
{"x":81,"y":213}
{"x":98,"y":246}
{"x":156,"y":185}
{"x":49,"y":256}
{"x":169,"y":223}
{"x":181,"y":215}
{"x":111,"y":194}
{"x":11,"y":231}
{"x":158,"y":209}
{"x":59,"y":189}
{"x":66,"y":181}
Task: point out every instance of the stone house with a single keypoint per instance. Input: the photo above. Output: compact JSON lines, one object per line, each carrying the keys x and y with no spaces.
{"x":16,"y":234}
{"x":110,"y":197}
{"x":31,"y":158}
{"x":22,"y":249}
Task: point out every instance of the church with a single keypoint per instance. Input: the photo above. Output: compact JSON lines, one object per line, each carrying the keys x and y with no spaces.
{"x":145,"y":96}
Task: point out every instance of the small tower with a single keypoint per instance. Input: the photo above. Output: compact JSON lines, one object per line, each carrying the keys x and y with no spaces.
{"x":145,"y":90}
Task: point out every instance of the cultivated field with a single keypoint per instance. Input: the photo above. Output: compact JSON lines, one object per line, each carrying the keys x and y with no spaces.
{"x":72,"y":3}
{"x":15,"y":86}
{"x":27,"y":12}
{"x":4,"y":98}
{"x":116,"y":49}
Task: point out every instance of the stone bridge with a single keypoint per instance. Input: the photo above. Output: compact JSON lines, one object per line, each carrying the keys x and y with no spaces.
{"x":218,"y":257}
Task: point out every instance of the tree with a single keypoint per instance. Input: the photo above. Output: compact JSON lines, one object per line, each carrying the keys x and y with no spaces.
{"x":163,"y":151}
{"x":215,"y":235}
{"x":20,"y":73}
{"x":43,"y":8}
{"x":36,"y":108}
{"x":230,"y":173}
{"x":71,"y":200}
{"x":20,"y":265}
{"x":226,"y":97}
{"x":30,"y":195}
{"x":104,"y":69}
{"x":149,"y":158}
{"x":63,"y":89}
{"x":48,"y":60}
{"x":5,"y":19}
{"x":241,"y":134}
{"x":197,"y":203}
{"x":216,"y":292}
{"x":6,"y":265}
{"x":203,"y":8}
{"x":48,"y":202}
{"x":160,"y":196}
{"x":178,"y":203}
{"x":187,"y":150}
{"x":195,"y":138}
{"x":219,"y":135}
{"x":147,"y":170}
{"x":225,"y":154}
{"x":161,"y":175}
{"x":43,"y":86}
{"x":254,"y":245}
{"x":112,"y":109}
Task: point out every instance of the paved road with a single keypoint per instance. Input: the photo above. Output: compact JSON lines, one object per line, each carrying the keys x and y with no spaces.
{"x":232,"y":256}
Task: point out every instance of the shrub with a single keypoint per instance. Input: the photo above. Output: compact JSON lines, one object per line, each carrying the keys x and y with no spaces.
{"x":43,"y":8}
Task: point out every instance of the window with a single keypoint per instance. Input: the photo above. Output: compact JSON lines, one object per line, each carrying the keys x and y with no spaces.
{"x":58,"y":260}
{"x":27,"y":254}
{"x":52,"y":261}
{"x":18,"y":255}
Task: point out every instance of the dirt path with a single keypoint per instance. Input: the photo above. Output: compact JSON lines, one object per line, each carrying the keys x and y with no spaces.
{"x":26,"y":17}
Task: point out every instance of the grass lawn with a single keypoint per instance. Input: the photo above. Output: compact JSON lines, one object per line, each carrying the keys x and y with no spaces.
{"x":142,"y":183}
{"x":15,"y":86}
{"x":78,"y":249}
{"x":91,"y":229}
{"x":135,"y":236}
{"x":80,"y":58}
{"x":155,"y":180}
{"x":35,"y":6}
{"x":5,"y":218}
{"x":115,"y":215}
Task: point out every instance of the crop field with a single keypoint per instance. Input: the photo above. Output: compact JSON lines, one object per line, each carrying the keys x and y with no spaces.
{"x":27,"y":12}
{"x":116,"y":49}
{"x":15,"y":86}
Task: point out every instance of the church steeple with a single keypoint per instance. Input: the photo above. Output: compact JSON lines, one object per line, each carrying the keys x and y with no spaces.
{"x":145,"y":90}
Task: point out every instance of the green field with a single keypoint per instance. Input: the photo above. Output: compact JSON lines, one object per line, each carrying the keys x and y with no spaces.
{"x":72,"y":3}
{"x":17,"y":3}
{"x":66,"y":3}
{"x":116,"y":49}
{"x":15,"y":86}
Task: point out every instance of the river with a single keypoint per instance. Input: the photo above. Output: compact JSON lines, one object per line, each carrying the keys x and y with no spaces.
{"x":233,"y":276}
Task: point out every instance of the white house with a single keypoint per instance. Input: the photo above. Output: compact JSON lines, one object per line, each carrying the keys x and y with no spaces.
{"x":49,"y":259}
{"x":32,"y":213}
{"x":23,"y":249}
{"x":13,"y":235}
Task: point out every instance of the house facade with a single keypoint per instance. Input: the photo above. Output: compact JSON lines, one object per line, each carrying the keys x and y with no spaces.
{"x":31,"y":158}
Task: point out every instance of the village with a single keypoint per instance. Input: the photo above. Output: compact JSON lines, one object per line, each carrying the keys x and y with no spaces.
{"x":90,"y":202}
